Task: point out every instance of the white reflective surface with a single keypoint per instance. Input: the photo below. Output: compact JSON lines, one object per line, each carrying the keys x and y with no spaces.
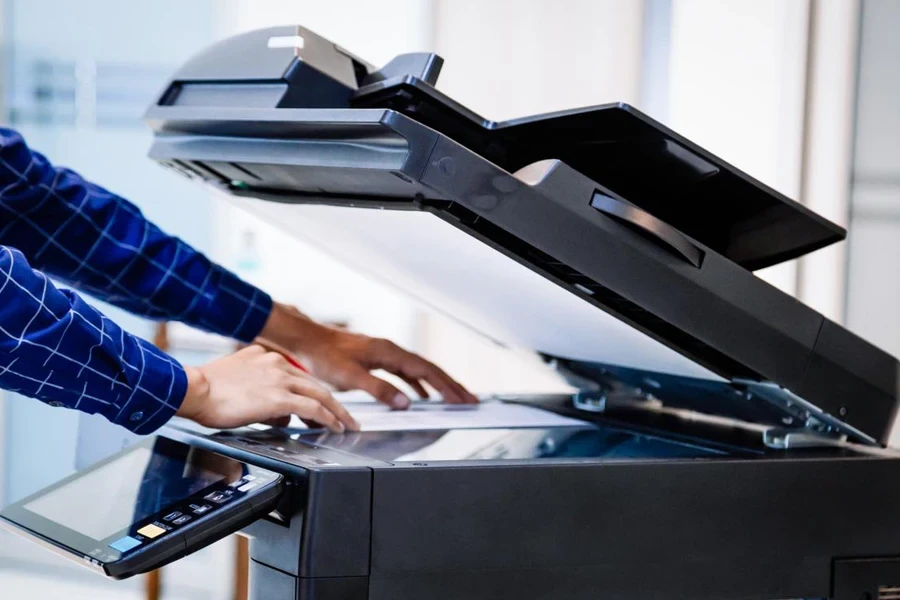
{"x":461,"y":277}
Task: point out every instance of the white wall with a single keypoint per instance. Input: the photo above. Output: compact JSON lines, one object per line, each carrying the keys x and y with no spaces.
{"x":375,"y":31}
{"x":830,"y":103}
{"x":510,"y":58}
{"x":873,"y":300}
{"x":737,"y":79}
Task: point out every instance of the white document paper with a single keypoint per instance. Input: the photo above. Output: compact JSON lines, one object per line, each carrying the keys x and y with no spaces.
{"x":438,"y":415}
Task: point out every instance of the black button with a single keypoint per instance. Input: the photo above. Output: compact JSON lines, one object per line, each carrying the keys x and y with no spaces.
{"x":219,"y":497}
{"x":200,"y":509}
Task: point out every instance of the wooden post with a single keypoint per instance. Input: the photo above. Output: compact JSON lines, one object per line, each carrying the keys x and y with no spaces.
{"x":153,"y":579}
{"x":153,"y":585}
{"x":241,"y":556}
{"x":241,"y":568}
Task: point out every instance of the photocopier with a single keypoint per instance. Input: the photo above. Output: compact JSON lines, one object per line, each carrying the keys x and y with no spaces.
{"x":734,"y":441}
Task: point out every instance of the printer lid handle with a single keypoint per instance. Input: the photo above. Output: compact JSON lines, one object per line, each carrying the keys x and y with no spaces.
{"x":649,"y":226}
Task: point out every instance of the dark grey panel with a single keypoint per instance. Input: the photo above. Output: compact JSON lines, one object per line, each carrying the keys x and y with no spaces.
{"x":692,"y":530}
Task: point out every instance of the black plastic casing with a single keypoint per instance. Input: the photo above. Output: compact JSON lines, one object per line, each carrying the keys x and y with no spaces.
{"x":764,"y":525}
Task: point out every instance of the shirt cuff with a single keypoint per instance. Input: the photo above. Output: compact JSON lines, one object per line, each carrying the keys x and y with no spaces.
{"x":236,"y":309}
{"x":157,"y":395}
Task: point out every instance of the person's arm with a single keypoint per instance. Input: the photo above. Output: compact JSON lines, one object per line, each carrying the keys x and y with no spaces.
{"x":100,"y":243}
{"x":57,"y":348}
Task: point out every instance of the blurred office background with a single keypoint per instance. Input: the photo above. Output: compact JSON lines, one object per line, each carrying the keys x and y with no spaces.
{"x":801,"y":94}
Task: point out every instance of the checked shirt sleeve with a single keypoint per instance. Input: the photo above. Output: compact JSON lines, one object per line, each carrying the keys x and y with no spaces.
{"x":58,"y":349}
{"x":101,"y":244}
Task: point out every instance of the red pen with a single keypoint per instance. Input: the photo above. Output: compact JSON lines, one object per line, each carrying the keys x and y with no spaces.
{"x":287,"y":355}
{"x":294,"y":362}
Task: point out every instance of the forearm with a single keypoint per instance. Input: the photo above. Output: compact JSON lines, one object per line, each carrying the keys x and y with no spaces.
{"x":102,"y":244}
{"x":58,"y":349}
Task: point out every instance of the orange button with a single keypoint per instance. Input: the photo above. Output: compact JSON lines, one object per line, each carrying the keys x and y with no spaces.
{"x":151,"y":531}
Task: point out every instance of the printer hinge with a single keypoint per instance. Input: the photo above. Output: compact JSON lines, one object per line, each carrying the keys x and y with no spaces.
{"x":781,"y":438}
{"x":777,"y":438}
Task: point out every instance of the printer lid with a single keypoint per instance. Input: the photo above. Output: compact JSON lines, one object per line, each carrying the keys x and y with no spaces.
{"x":596,"y":237}
{"x":654,"y":167}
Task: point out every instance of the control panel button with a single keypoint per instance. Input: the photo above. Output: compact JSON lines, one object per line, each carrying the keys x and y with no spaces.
{"x":172,"y":516}
{"x":151,"y":531}
{"x":199,"y":509}
{"x":125,"y":544}
{"x":220,"y":497}
{"x":181,"y":520}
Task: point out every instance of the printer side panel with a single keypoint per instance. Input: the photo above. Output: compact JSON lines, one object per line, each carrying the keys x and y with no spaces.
{"x":852,"y":367}
{"x":695,"y":530}
{"x":329,"y":531}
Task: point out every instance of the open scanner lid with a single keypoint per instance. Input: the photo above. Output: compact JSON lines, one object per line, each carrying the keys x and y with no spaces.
{"x":596,"y":237}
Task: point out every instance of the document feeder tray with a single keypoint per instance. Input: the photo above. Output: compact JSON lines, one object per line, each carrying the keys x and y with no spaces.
{"x":734,"y":444}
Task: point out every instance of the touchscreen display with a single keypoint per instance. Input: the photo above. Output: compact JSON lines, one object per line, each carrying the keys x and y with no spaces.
{"x":139,"y":509}
{"x":131,"y":488}
{"x":499,"y":444}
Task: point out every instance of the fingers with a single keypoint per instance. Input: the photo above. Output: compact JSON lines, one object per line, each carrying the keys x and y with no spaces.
{"x":313,"y":410}
{"x":416,"y":385}
{"x":409,"y":366}
{"x":359,"y":378}
{"x":306,"y":389}
{"x":312,"y":389}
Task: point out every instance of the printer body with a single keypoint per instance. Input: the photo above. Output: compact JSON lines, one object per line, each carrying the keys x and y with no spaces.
{"x":734,"y":444}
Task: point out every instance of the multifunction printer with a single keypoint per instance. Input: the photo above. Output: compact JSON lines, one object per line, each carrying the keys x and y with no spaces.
{"x":724,"y":440}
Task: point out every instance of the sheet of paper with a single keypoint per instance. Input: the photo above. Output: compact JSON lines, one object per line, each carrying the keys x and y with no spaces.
{"x":438,"y":415}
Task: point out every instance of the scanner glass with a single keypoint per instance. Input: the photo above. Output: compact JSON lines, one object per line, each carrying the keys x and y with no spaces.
{"x":502,"y":444}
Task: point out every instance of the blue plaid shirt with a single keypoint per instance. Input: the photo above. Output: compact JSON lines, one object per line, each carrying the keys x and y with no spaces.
{"x":57,"y":348}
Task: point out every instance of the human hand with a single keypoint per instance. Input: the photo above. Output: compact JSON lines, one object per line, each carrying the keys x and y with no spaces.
{"x":257,"y":386}
{"x":345,"y":360}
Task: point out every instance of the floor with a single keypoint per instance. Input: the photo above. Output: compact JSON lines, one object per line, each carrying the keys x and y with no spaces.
{"x":29,"y":572}
{"x":17,"y":583}
{"x":29,"y":584}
